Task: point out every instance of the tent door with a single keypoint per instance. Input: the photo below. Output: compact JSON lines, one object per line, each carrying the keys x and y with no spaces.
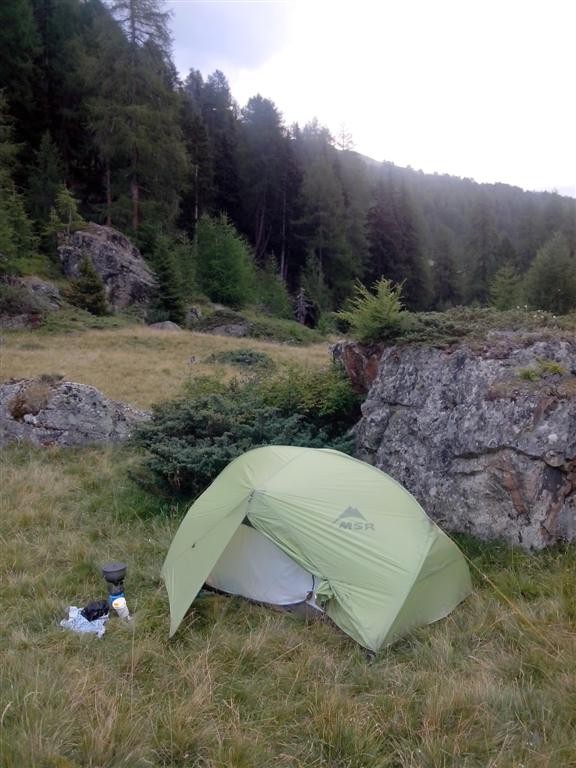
{"x":252,"y":566}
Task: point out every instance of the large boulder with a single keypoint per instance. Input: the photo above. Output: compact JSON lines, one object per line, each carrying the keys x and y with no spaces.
{"x":43,"y":290}
{"x":47,"y":411}
{"x":127,"y":278}
{"x":484,"y":435}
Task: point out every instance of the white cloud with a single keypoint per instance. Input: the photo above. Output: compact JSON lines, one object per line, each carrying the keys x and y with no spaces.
{"x":480,"y":89}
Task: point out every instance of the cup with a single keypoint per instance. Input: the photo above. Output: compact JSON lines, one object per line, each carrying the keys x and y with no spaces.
{"x":119,"y":605}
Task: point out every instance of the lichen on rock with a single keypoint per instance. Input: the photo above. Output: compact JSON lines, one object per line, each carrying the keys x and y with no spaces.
{"x":127,"y":278}
{"x":484,"y":450}
{"x":48,"y":411}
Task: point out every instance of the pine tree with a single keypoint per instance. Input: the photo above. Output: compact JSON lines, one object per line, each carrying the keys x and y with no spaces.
{"x":321,"y":226}
{"x":198,"y":196}
{"x":263,"y":174}
{"x":87,"y":290}
{"x":505,"y":288}
{"x":396,"y":242}
{"x":20,"y":46}
{"x":219,"y":113}
{"x":17,"y":240}
{"x":64,"y":216}
{"x":481,"y":253}
{"x":135,"y":112}
{"x":352,"y":173}
{"x":447,"y":282}
{"x":169,"y":304}
{"x":550,"y":283}
{"x":225,"y":271}
{"x":45,"y":180}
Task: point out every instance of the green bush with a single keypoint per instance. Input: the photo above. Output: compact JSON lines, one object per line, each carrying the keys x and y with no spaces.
{"x":375,"y":316}
{"x":189,"y":441}
{"x":325,"y":397}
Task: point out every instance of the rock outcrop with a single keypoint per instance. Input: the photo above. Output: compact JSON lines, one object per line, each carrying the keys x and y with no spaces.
{"x":360,"y":361}
{"x":43,"y":290}
{"x":26,"y":301}
{"x":46,"y":411}
{"x":127,"y":278}
{"x":484,"y":435}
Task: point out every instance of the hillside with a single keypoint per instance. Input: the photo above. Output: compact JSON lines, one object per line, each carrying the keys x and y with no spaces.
{"x":164,"y":159}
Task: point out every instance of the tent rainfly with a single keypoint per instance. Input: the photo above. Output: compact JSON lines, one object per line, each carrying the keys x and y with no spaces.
{"x":285,"y":525}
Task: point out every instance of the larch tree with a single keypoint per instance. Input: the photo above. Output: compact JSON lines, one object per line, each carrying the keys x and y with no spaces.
{"x":146,"y":109}
{"x":263,"y":175}
{"x":550,"y":283}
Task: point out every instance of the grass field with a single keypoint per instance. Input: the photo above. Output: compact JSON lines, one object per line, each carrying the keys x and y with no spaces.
{"x":240,"y":685}
{"x":137,"y":365}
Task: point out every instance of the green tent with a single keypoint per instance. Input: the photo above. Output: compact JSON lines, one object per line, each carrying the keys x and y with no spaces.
{"x":285,"y":525}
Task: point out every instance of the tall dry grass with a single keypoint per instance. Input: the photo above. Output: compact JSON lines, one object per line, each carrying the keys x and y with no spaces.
{"x":241,"y":686}
{"x":137,"y":365}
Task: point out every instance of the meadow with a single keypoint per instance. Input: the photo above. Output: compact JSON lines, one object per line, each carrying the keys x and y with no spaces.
{"x":241,"y":685}
{"x":137,"y":365}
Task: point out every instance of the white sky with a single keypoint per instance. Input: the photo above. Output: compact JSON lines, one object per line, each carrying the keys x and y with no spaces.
{"x":480,"y":88}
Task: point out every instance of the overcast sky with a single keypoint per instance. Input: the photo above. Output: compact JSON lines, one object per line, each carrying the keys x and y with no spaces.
{"x":477,"y":88}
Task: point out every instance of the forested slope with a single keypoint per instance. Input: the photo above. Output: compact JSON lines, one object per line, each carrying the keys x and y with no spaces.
{"x":94,"y":111}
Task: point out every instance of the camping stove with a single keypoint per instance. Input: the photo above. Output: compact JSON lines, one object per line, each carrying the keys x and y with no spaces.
{"x":114,"y":574}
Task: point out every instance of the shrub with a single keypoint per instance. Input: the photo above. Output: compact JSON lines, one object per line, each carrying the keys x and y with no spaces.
{"x":325,"y":397}
{"x":375,"y":316}
{"x":189,"y":441}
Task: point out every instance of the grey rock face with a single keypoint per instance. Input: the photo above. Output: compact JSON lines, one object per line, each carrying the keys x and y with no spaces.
{"x":47,"y":292}
{"x":29,"y":299}
{"x":63,"y":413}
{"x":485,"y":450}
{"x":126,"y":276}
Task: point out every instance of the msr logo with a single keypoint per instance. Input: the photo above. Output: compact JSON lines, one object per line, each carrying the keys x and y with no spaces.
{"x":353,"y":520}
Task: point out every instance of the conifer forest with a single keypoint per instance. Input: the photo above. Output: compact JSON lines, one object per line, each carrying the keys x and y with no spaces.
{"x":227,"y":200}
